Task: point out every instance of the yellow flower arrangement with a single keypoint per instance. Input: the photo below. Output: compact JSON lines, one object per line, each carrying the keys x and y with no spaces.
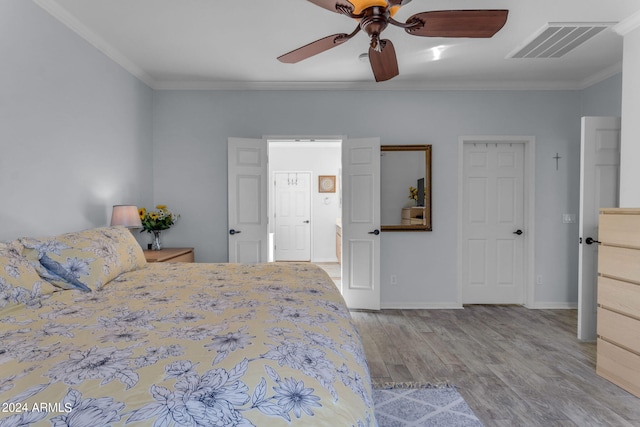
{"x":160,"y":219}
{"x":413,"y":193}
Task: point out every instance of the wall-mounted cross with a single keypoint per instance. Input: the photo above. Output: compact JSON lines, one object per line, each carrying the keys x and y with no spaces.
{"x":557,"y":157}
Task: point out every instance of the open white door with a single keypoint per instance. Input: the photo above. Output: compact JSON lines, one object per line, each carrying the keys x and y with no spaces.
{"x":247,"y":200}
{"x":361,"y":223}
{"x":599,"y":188}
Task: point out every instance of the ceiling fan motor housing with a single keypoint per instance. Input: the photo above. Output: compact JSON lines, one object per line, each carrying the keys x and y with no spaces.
{"x":374,"y":21}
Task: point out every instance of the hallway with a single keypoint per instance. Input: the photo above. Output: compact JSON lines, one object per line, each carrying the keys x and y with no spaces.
{"x":334,"y":270}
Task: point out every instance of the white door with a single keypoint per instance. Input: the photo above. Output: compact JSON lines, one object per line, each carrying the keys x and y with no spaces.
{"x":361,"y":223}
{"x":493,"y":223}
{"x":292,"y":216}
{"x":247,"y":200}
{"x":599,"y":188}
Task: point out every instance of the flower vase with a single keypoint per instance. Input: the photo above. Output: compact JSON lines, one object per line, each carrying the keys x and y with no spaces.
{"x":156,"y":245}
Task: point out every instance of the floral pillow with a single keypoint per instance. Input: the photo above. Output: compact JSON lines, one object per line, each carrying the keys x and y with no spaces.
{"x":85,"y":260}
{"x":19,"y":281}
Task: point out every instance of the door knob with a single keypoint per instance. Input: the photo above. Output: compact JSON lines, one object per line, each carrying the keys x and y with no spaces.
{"x":306,"y":222}
{"x":518,"y":232}
{"x":232,"y":231}
{"x":590,"y":241}
{"x":376,"y":232}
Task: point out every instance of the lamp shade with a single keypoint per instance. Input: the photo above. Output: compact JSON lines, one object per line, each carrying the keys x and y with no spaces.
{"x":126,"y":215}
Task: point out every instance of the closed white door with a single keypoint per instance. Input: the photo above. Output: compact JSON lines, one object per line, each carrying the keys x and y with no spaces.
{"x":361,"y":223}
{"x":493,"y":225}
{"x":292,"y":216}
{"x":247,"y":200}
{"x":599,"y":188}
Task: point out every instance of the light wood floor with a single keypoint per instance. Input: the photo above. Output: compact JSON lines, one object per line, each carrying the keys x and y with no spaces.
{"x":513,"y":366}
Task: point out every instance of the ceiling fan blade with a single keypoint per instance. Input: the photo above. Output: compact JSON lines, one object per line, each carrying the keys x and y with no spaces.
{"x":384,"y":63}
{"x":395,"y":5}
{"x":314,"y":48}
{"x":458,"y":23}
{"x":331,"y":4}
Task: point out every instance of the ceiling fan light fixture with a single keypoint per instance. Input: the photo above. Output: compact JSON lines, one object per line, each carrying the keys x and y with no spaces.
{"x":360,"y":5}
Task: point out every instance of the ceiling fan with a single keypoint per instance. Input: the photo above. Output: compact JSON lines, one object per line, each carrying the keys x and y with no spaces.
{"x":375,"y":15}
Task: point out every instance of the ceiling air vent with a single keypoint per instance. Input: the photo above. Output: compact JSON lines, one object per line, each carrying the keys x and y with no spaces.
{"x":558,"y":38}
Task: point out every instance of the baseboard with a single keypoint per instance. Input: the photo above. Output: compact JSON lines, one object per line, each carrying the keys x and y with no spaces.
{"x":332,"y":260}
{"x":420,"y":306}
{"x":553,"y":306}
{"x":454,"y":305}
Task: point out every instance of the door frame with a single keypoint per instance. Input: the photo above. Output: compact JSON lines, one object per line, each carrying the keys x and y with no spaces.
{"x":274,"y":139}
{"x":529,"y":207}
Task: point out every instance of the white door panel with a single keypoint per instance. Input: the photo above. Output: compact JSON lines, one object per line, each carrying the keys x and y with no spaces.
{"x":493,"y":210}
{"x":361,"y":223}
{"x":247,"y":200}
{"x":599,"y":188}
{"x":292,"y":216}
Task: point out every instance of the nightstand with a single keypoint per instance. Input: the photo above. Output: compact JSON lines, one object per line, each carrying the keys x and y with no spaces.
{"x":169,"y":255}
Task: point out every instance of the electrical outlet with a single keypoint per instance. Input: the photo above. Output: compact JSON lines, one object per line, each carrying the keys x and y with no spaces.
{"x":539,"y":279}
{"x":394,"y":279}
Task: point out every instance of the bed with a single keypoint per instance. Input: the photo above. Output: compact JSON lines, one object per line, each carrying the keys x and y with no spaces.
{"x":92,"y":335}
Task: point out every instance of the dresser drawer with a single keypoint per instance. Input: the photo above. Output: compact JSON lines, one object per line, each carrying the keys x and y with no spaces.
{"x":619,"y":366}
{"x":623,"y":297}
{"x":621,"y":263}
{"x":619,"y":229}
{"x":619,"y":329}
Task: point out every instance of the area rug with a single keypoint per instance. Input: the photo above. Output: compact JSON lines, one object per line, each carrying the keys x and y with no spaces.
{"x":418,"y":405}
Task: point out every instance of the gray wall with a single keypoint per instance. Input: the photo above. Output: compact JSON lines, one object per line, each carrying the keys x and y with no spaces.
{"x":630,"y":144}
{"x":603,"y":99}
{"x":75,"y":128}
{"x":79,"y":134}
{"x":191,"y":130}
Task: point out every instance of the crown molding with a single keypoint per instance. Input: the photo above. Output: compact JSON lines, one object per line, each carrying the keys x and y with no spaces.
{"x":628,"y":25}
{"x":373,"y":86}
{"x":55,"y":10}
{"x":602,"y":75}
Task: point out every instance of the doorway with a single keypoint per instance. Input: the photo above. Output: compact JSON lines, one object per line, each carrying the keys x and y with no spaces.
{"x":356,"y":180}
{"x":295,"y":168}
{"x":495,"y":221}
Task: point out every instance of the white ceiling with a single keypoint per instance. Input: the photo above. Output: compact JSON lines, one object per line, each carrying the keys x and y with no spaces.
{"x":210,"y":44}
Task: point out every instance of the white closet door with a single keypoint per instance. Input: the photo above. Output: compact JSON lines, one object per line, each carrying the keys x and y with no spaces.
{"x":493,"y":224}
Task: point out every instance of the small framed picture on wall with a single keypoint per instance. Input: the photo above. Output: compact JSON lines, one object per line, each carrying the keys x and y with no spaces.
{"x":327,"y":184}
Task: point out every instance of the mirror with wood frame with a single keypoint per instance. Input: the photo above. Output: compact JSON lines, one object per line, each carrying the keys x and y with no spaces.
{"x":405,"y":187}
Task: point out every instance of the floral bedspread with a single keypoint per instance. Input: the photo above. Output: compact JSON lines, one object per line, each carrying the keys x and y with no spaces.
{"x":187,"y":345}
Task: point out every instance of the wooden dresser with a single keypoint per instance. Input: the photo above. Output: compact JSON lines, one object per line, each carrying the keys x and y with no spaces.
{"x":170,"y":255}
{"x":618,"y":348}
{"x":413,"y":216}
